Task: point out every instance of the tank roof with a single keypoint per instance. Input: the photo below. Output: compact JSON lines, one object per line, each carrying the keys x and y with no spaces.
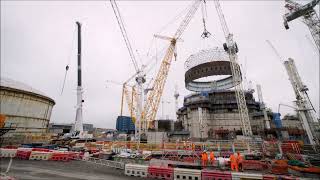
{"x":12,"y":84}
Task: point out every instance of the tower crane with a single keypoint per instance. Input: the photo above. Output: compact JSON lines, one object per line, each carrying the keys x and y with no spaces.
{"x":310,"y":17}
{"x":129,"y":97}
{"x":139,"y":75}
{"x":231,"y":47}
{"x":151,"y":107}
{"x":304,"y":106}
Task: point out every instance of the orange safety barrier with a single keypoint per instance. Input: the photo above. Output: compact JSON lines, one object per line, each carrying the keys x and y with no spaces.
{"x":60,"y":157}
{"x":279,"y":167}
{"x":10,"y":147}
{"x":23,"y":154}
{"x":74,"y":155}
{"x":254,"y":165}
{"x":160,"y":173}
{"x":214,"y":174}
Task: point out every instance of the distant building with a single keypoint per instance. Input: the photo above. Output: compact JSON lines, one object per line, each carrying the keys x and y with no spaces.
{"x":215,"y":115}
{"x":125,"y":125}
{"x":63,"y":128}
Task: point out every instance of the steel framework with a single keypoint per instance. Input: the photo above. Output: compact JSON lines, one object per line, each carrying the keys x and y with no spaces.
{"x":231,"y":47}
{"x":151,"y":107}
{"x":303,"y":103}
{"x":310,"y":17}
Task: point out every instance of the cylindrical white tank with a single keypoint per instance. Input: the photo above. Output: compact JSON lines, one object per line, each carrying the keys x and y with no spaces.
{"x":25,"y":108}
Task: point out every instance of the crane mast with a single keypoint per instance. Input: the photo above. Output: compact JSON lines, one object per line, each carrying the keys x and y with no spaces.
{"x":151,"y":107}
{"x":305,"y":108}
{"x":231,"y":47}
{"x":310,"y":17}
{"x":78,"y":126}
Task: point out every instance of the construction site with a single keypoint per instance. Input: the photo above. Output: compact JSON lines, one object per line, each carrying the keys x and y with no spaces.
{"x":223,"y":124}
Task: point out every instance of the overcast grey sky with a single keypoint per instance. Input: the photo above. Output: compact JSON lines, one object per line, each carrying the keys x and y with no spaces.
{"x":37,"y":43}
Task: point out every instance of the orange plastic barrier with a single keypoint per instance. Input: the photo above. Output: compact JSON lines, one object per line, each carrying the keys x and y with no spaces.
{"x":160,"y":173}
{"x":214,"y":174}
{"x":254,"y":165}
{"x":60,"y":157}
{"x":23,"y":154}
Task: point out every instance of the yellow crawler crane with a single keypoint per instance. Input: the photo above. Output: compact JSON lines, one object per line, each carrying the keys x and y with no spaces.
{"x":151,"y":106}
{"x":131,"y":98}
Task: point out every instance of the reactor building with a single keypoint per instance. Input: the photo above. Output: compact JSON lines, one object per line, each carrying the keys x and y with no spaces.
{"x":211,"y":111}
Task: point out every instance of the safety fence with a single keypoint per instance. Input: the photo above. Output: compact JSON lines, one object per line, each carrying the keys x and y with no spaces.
{"x":269,"y":148}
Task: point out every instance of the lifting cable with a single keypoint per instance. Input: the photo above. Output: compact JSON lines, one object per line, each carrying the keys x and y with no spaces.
{"x":124,"y":33}
{"x":206,"y":33}
{"x":69,"y":60}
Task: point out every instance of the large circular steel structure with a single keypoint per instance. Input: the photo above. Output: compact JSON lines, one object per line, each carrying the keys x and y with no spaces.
{"x":211,"y":62}
{"x":24,"y":107}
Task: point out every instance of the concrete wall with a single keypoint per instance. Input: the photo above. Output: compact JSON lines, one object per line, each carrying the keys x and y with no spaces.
{"x":216,"y":121}
{"x":28,"y":112}
{"x":156,"y":137}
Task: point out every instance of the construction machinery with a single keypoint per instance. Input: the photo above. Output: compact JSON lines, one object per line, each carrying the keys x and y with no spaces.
{"x":303,"y":103}
{"x":305,"y":108}
{"x":263,"y":107}
{"x":78,"y":126}
{"x":231,"y":47}
{"x":139,"y":76}
{"x":151,"y":107}
{"x":310,"y":17}
{"x":130,"y":96}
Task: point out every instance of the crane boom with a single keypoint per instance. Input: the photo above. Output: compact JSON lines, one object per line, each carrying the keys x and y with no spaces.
{"x":124,"y":33}
{"x":310,"y":17}
{"x":231,"y":47}
{"x":151,"y":107}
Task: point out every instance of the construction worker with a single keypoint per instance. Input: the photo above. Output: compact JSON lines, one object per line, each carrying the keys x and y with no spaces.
{"x":204,"y":158}
{"x":239,"y":161}
{"x":233,"y":161}
{"x":212,"y":158}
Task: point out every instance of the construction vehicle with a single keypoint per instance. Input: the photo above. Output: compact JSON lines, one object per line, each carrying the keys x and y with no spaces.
{"x":231,"y":47}
{"x":304,"y":106}
{"x":310,"y":17}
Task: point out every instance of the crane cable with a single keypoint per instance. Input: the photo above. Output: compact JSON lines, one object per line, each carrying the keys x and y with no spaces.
{"x":206,"y":33}
{"x":69,"y":60}
{"x":124,"y":33}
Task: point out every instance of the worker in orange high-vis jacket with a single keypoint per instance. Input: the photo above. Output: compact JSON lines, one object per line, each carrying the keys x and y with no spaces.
{"x":233,"y":161}
{"x":239,"y":161}
{"x":204,"y":158}
{"x":212,"y":157}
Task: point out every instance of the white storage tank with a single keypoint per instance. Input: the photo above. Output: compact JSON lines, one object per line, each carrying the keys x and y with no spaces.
{"x":25,"y":108}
